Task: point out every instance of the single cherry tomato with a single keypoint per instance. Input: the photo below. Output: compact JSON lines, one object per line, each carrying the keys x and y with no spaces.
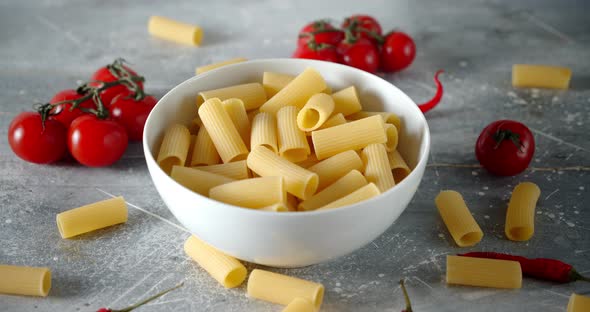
{"x":398,"y":52}
{"x":309,"y":51}
{"x":320,"y":32}
{"x":361,"y":54}
{"x":505,"y":147}
{"x":64,"y":113}
{"x":96,"y":142}
{"x":103,"y":74}
{"x":33,"y":143}
{"x":132,"y":114}
{"x":363,"y":26}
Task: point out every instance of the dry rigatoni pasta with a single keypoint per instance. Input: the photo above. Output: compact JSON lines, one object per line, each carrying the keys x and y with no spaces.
{"x":204,"y":152}
{"x":196,"y":180}
{"x":520,"y":216}
{"x":335,"y":120}
{"x":24,"y":280}
{"x":398,"y":166}
{"x":346,"y":101}
{"x":388,"y":117}
{"x":191,"y":147}
{"x":92,"y":217}
{"x":578,"y":303}
{"x":252,"y":94}
{"x":174,"y":148}
{"x":540,"y":76}
{"x":366,"y":192}
{"x":349,"y":136}
{"x":333,"y":168}
{"x":274,"y":82}
{"x":483,"y":272}
{"x":223,"y":132}
{"x":309,"y":161}
{"x":206,"y":68}
{"x":278,"y":207}
{"x":172,"y":30}
{"x":458,"y":219}
{"x":264,"y":132}
{"x":237,"y":112}
{"x":283,"y":289}
{"x":347,"y":184}
{"x":298,"y":181}
{"x":293,"y":144}
{"x":300,"y":305}
{"x":392,"y":137}
{"x":316,"y":112}
{"x":228,"y":271}
{"x":297,"y":92}
{"x":377,"y":168}
{"x":251,"y":193}
{"x":235,"y":170}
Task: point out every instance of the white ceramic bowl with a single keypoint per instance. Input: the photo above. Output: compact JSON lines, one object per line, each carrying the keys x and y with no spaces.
{"x":291,"y":239}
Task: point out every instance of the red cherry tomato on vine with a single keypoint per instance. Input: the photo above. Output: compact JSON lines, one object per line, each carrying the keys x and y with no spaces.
{"x":361,"y":54}
{"x":398,"y":52}
{"x":365,"y":26}
{"x":64,"y":114}
{"x":31,"y":142}
{"x":96,"y":142}
{"x":103,"y":74}
{"x":323,"y":54}
{"x":321,"y":32}
{"x":132,"y":114}
{"x":505,"y":147}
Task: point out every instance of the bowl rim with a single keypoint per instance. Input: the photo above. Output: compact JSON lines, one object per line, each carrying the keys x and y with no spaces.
{"x":423,"y":156}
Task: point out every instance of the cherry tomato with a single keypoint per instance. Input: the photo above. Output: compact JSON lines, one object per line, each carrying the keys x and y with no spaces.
{"x":96,"y":142}
{"x":321,"y":32}
{"x":64,"y":114}
{"x":103,"y":74}
{"x":31,"y":142}
{"x":361,"y":54}
{"x":132,"y":114}
{"x":310,"y":52}
{"x":505,"y":147}
{"x":398,"y":52}
{"x":365,"y":25}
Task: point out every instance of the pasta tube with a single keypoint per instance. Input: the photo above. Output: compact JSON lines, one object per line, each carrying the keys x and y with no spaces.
{"x":346,"y":101}
{"x":251,"y":193}
{"x":228,"y":271}
{"x":349,"y":136}
{"x":392,"y":138}
{"x":388,"y":117}
{"x":283,"y":289}
{"x":277,"y":207}
{"x":174,"y":148}
{"x":92,"y":217}
{"x":520,"y":216}
{"x":252,"y":94}
{"x":206,"y":68}
{"x":577,"y":303}
{"x":366,"y":192}
{"x":297,"y":92}
{"x":316,"y":112}
{"x":459,"y":221}
{"x":335,"y":120}
{"x":398,"y":165}
{"x":293,"y":144}
{"x":223,"y":132}
{"x":237,"y":170}
{"x":333,"y":168}
{"x":204,"y":152}
{"x":191,"y":147}
{"x":540,"y":76}
{"x":377,"y":166}
{"x":483,"y":272}
{"x":172,"y":30}
{"x":197,"y":180}
{"x":274,"y":82}
{"x":349,"y":183}
{"x":298,"y":181}
{"x":264,"y":132}
{"x":22,"y":280}
{"x":300,"y":305}
{"x":237,"y":112}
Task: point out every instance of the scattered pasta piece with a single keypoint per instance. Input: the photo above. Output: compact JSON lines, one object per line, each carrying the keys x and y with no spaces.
{"x":22,"y":280}
{"x":228,"y":271}
{"x":206,"y":68}
{"x":172,"y":30}
{"x":540,"y":76}
{"x":300,"y":305}
{"x":520,"y":216}
{"x":578,"y":303}
{"x":283,"y":289}
{"x":483,"y":272}
{"x":458,"y":219}
{"x":92,"y":217}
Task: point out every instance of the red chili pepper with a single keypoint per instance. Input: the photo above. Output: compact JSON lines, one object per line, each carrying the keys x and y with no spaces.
{"x":437,"y":97}
{"x":541,"y":268}
{"x":129,"y":308}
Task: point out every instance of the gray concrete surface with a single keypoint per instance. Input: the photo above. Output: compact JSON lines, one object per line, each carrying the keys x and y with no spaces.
{"x":49,"y":45}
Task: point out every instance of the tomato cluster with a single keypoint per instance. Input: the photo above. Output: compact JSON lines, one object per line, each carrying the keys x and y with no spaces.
{"x":358,"y":42}
{"x":93,"y":122}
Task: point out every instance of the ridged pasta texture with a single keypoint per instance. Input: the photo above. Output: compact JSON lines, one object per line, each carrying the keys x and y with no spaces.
{"x":293,"y":144}
{"x":483,"y":272}
{"x":251,"y":193}
{"x":458,"y":219}
{"x":174,"y":148}
{"x":206,"y":68}
{"x":283,"y":289}
{"x":172,"y":30}
{"x":377,"y":168}
{"x":23,"y":280}
{"x":347,"y":184}
{"x":333,"y":168}
{"x":297,"y":92}
{"x":204,"y":152}
{"x":264,"y":132}
{"x":520,"y":216}
{"x":366,"y":192}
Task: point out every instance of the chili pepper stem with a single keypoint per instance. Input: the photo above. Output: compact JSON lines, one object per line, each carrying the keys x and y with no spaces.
{"x":406,"y":296}
{"x":575,"y":276}
{"x":129,"y":308}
